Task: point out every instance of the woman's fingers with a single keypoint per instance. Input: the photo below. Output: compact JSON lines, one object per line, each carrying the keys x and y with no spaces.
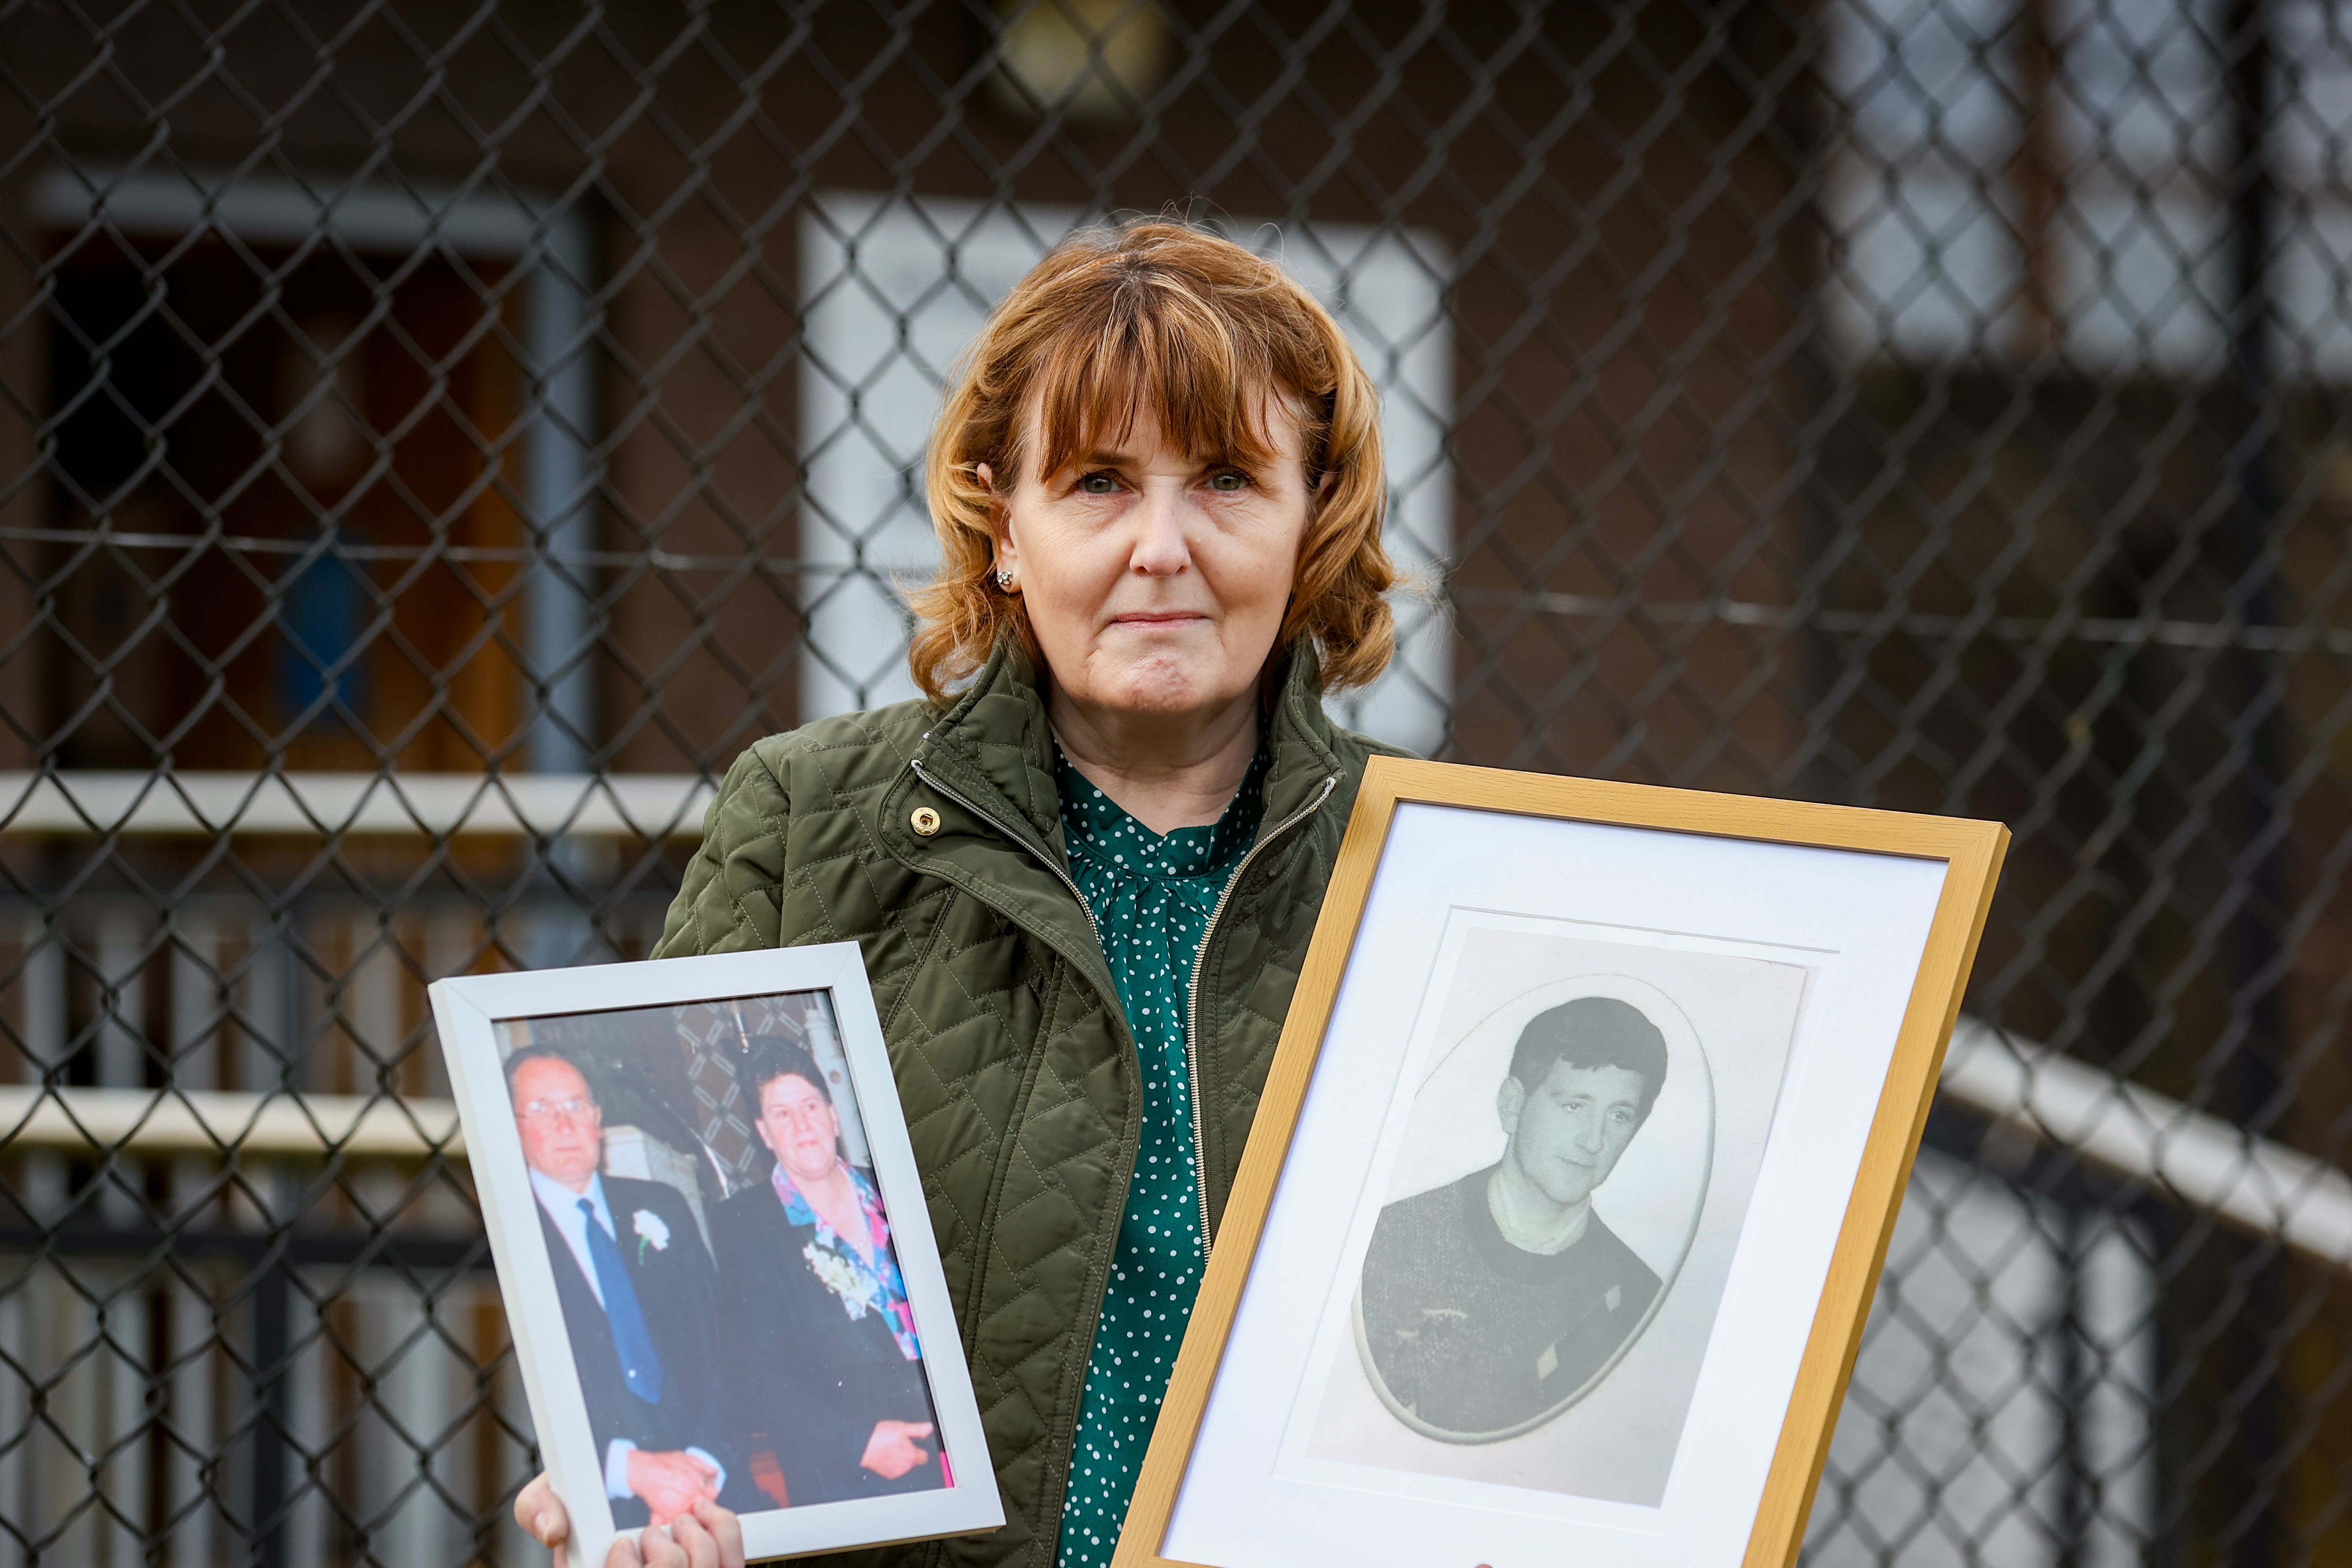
{"x":725,"y":1529}
{"x":701,"y":1548}
{"x":624,"y":1554}
{"x":540,"y":1512}
{"x":658,"y":1548}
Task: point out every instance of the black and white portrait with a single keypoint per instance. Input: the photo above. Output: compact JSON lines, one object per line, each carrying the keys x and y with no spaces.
{"x":1569,"y":1174}
{"x":1566,"y":1174}
{"x":1494,"y":1300}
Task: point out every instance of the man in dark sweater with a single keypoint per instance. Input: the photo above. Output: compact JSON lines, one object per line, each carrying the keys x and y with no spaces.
{"x":1490,"y":1304}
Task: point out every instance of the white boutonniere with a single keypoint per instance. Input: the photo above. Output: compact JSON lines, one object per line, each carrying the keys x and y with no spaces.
{"x":649,"y":1228}
{"x":840,"y":1276}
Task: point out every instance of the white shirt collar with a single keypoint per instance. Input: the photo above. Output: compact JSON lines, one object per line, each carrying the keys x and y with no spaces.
{"x":563,"y":1204}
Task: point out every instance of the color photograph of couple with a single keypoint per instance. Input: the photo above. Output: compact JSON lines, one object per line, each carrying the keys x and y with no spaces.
{"x":722,"y":1256}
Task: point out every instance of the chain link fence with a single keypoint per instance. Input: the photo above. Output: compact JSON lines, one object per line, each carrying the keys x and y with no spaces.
{"x":436,"y":437}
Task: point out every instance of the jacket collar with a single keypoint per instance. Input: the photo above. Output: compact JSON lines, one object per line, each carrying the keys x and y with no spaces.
{"x":994,"y":741}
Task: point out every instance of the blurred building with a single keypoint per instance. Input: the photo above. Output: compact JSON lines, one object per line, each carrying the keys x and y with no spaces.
{"x":435,"y":439}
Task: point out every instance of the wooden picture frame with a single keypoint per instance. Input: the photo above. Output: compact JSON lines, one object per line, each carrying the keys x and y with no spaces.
{"x":632,"y":1032}
{"x":1254,"y":1463}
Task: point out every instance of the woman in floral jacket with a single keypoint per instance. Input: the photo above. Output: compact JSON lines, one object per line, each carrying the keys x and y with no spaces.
{"x":819,"y":1310}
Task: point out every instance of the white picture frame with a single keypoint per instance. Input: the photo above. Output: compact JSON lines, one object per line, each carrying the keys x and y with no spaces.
{"x":480,"y":1017}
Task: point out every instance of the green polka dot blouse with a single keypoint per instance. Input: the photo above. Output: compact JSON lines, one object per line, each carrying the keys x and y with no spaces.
{"x":1151,"y":898}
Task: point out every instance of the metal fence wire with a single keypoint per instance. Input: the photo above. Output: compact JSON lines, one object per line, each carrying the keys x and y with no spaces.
{"x":437,"y":436}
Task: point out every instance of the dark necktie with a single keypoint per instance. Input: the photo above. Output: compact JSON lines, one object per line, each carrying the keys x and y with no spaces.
{"x":641,"y":1366}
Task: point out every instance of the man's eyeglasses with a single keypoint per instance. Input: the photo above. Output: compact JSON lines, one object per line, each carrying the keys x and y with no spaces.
{"x":572,"y":1110}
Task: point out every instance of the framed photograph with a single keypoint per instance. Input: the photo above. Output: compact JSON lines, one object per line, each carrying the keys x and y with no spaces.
{"x":712,"y":1241}
{"x":1554,"y":1232}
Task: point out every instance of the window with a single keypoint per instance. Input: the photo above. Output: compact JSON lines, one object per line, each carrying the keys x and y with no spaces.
{"x":2041,"y":177}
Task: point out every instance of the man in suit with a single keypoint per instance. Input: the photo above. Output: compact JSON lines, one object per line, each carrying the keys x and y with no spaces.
{"x":1492,"y":1303}
{"x":638,"y":1303}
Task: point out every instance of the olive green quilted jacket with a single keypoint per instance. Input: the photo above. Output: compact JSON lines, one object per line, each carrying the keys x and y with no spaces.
{"x":1014,"y":1060}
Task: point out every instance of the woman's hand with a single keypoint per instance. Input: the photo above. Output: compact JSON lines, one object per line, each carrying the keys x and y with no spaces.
{"x":892,"y":1450}
{"x":541,"y":1513}
{"x":708,"y":1537}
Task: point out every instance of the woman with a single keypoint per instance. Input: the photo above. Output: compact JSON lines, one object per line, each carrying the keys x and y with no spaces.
{"x":1084,"y":871}
{"x":827,"y":1368}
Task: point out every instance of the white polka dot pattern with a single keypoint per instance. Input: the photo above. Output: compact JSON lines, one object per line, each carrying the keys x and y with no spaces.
{"x":1151,"y":896}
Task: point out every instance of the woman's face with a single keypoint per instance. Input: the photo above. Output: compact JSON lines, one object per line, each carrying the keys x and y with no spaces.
{"x":1156,"y":579}
{"x":798,"y":1125}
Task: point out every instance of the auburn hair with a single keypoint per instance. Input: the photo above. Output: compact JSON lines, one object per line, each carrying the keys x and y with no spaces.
{"x":1158,"y":321}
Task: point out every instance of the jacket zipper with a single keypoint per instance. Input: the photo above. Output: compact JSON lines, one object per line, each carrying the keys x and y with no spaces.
{"x":1193,"y":997}
{"x":1084,"y":908}
{"x":1042,"y":858}
{"x":1192,"y":992}
{"x":1191,"y":1018}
